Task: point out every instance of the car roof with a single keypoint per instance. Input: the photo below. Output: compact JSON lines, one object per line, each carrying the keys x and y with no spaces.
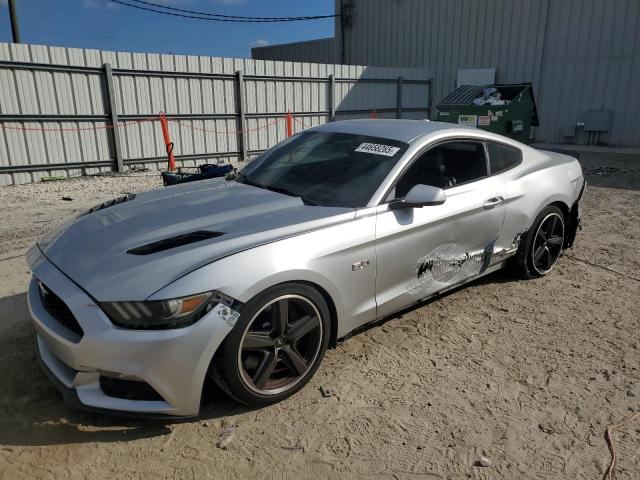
{"x":401,"y":130}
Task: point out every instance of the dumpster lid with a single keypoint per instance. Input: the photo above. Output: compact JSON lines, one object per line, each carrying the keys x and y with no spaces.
{"x":465,"y":94}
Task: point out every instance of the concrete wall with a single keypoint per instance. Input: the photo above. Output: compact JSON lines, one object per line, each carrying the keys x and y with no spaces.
{"x":55,"y":105}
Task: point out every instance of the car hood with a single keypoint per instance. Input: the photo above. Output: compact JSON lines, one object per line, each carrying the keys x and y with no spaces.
{"x":92,"y":250}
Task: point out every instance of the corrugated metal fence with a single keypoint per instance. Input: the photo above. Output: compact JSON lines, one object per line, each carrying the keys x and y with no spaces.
{"x":58,"y":106}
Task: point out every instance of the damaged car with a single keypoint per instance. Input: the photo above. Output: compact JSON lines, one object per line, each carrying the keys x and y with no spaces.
{"x":247,"y":280}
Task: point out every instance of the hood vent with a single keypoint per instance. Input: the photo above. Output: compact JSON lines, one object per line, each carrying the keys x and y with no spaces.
{"x":173,"y":242}
{"x":111,"y":203}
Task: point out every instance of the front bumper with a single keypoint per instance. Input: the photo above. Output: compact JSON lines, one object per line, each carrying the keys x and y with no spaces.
{"x":172,"y":362}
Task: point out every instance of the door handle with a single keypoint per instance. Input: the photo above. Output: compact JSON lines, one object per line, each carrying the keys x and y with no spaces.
{"x":493,"y":202}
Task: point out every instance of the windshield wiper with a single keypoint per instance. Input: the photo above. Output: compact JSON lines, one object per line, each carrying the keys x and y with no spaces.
{"x":284,"y":191}
{"x":308,"y":201}
{"x":242,"y":178}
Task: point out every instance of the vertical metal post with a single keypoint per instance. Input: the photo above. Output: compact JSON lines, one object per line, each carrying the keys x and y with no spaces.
{"x":399,"y":99}
{"x":342,"y":19}
{"x":242,"y":134}
{"x":113,"y":117}
{"x":167,"y":142}
{"x":15,"y":31}
{"x":332,"y":96}
{"x":346,"y":21}
{"x":431,"y":112}
{"x":289,"y":124}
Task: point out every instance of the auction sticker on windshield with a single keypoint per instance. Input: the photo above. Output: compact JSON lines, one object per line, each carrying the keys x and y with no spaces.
{"x":378,"y":149}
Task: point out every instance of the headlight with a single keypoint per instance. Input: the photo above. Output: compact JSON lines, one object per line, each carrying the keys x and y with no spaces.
{"x":161,"y":314}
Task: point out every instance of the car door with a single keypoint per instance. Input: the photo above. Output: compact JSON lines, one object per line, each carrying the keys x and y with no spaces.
{"x":421,"y":251}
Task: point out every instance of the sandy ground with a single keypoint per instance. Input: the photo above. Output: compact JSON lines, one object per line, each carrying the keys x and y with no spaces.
{"x":528,"y":374}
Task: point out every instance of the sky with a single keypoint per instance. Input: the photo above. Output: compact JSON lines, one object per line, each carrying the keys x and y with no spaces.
{"x":105,"y":25}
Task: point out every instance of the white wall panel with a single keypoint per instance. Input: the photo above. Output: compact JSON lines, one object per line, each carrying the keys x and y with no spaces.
{"x":80,"y":95}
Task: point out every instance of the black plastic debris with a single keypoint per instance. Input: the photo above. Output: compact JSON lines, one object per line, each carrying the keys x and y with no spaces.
{"x":326,"y":393}
{"x":192,"y":174}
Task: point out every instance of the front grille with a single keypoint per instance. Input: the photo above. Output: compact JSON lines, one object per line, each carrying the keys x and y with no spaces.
{"x":54,"y":305}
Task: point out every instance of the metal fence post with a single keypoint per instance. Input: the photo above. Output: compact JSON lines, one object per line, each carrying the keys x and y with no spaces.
{"x":332,"y":101}
{"x":113,"y":117}
{"x":242,"y":134}
{"x":399,"y":99}
{"x":431,"y":112}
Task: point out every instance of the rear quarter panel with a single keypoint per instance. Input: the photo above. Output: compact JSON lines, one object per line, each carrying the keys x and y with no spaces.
{"x":542,"y":178}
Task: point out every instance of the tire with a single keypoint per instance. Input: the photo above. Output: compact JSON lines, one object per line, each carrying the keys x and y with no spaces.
{"x":270,"y":354}
{"x":525,"y":263}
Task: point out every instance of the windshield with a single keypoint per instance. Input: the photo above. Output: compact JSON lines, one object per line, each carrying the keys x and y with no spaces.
{"x":325,"y":168}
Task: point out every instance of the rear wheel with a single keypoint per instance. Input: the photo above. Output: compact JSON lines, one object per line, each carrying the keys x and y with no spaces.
{"x":277,"y":344}
{"x":541,"y":246}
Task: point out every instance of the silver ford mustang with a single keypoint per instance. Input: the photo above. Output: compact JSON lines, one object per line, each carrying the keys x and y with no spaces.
{"x":249,"y":279}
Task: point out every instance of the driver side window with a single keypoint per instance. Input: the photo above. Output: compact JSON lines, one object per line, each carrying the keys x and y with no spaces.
{"x":445,"y":166}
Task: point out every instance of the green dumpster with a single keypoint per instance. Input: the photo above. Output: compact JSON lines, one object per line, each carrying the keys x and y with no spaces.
{"x":509,"y":110}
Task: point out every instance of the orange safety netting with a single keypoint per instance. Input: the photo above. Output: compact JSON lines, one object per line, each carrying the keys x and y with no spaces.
{"x":125,"y":124}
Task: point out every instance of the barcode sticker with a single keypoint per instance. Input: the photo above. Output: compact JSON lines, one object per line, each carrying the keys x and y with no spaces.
{"x":377,"y":149}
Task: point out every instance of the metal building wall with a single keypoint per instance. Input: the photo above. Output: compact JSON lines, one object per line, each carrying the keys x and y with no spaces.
{"x":592,"y":61}
{"x":579,"y":54}
{"x":52,"y":99}
{"x":320,"y":51}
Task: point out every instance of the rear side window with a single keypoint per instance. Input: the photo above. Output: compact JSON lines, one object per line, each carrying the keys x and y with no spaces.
{"x":503,"y":157}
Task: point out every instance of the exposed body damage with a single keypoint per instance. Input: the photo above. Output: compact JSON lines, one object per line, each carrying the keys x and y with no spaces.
{"x":449,"y":263}
{"x":239,"y":240}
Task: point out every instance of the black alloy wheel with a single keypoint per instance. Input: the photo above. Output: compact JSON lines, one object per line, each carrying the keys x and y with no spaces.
{"x":280,"y":344}
{"x":276,"y":346}
{"x":540,"y":247}
{"x":547,"y":243}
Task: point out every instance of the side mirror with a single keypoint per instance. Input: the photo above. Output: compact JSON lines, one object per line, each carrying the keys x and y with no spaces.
{"x":420,"y":196}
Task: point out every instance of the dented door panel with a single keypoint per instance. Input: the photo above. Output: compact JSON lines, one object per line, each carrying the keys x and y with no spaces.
{"x":421,"y":251}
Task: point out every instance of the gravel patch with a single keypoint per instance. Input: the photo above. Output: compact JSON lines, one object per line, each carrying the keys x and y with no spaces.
{"x":503,"y":379}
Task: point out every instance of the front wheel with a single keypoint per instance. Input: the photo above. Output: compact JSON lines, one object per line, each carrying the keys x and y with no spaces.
{"x":276,"y":346}
{"x":541,"y":246}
